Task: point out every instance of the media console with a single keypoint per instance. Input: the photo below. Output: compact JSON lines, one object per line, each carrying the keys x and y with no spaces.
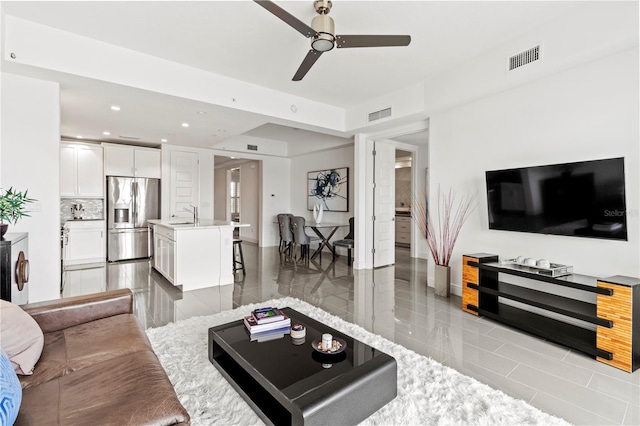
{"x":615,"y":313}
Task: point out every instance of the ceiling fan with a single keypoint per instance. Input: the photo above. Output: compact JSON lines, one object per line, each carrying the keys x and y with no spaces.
{"x":323,"y":36}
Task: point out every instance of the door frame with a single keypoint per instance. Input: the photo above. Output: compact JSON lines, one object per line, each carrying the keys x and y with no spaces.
{"x":363,"y":200}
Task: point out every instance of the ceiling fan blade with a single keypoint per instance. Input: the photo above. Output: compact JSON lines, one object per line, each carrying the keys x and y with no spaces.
{"x":306,"y":64}
{"x":288,"y":18}
{"x":344,"y":41}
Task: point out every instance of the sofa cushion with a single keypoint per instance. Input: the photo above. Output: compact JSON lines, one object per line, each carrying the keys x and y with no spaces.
{"x":87,"y":344}
{"x":22,"y":338}
{"x":10,"y":391}
{"x":130,"y":389}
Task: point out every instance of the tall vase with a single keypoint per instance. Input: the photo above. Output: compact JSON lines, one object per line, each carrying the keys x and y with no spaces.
{"x":442,"y":282}
{"x":317,"y":213}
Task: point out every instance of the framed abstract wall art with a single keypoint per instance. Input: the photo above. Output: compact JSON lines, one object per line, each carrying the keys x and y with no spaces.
{"x":329,"y":188}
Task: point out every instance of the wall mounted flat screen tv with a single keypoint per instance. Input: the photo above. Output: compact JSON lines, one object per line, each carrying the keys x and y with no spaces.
{"x":583,"y":199}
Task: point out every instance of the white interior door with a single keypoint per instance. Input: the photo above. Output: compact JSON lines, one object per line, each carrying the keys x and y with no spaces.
{"x":384,"y":237}
{"x":184,"y":183}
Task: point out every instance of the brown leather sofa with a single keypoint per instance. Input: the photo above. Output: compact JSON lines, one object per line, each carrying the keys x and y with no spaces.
{"x":97,"y":367}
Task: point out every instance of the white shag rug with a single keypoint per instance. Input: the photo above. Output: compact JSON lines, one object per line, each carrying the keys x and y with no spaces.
{"x":429,"y":393}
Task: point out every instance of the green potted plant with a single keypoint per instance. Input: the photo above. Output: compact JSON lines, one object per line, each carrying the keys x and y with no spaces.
{"x":12,"y":207}
{"x":441,"y":237}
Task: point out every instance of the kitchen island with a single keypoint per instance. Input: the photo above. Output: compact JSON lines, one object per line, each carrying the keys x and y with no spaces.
{"x":193,"y":255}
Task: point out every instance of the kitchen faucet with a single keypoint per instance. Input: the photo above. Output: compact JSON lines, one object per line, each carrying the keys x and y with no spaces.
{"x":196,"y":219}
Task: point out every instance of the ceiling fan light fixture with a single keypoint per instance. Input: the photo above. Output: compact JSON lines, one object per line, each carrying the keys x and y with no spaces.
{"x":323,"y":42}
{"x":324,"y":39}
{"x":322,"y":33}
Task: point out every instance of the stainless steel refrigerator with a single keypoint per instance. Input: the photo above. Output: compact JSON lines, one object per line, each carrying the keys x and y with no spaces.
{"x":131,"y":202}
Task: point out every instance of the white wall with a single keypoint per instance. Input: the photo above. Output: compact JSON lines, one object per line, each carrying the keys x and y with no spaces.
{"x":335,"y":158}
{"x":220,"y":194}
{"x":589,"y":31}
{"x":407,"y":105}
{"x":584,"y":113}
{"x":276,"y":197}
{"x":238,"y":144}
{"x":30,"y":151}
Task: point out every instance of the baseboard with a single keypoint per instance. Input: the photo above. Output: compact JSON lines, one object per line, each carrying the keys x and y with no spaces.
{"x":454,"y":288}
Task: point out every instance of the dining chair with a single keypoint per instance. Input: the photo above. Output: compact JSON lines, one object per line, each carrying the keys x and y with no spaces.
{"x":301,"y":238}
{"x":347,"y":242}
{"x":286,"y":236}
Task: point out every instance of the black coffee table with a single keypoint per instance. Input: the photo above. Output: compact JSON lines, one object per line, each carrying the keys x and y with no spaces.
{"x":294,"y":384}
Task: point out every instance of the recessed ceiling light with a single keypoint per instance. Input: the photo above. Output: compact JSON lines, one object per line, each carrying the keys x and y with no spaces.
{"x":106,"y":133}
{"x":115,"y":107}
{"x":163,"y":140}
{"x":185,"y":124}
{"x":202,"y":112}
{"x":79,"y":137}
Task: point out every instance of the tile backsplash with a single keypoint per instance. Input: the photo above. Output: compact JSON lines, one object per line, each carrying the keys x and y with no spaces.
{"x":93,"y":208}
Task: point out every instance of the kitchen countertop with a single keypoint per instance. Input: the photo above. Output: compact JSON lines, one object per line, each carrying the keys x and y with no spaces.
{"x":186,"y":224}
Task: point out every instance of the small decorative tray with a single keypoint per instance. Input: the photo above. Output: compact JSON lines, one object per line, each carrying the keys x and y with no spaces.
{"x":554,"y":269}
{"x":339,"y":345}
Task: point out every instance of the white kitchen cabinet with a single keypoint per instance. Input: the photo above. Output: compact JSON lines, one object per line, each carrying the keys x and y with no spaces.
{"x":164,"y":252}
{"x":194,"y":256}
{"x":85,"y":242}
{"x":403,"y":230}
{"x":147,"y":163}
{"x":123,"y":160}
{"x":118,"y":160}
{"x":68,"y":170}
{"x":81,"y":170}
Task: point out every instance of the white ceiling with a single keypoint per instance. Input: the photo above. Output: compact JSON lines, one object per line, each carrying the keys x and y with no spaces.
{"x":242,"y":40}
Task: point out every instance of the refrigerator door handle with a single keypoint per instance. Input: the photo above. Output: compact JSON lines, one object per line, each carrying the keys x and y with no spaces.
{"x":127,"y":231}
{"x":134,"y":195}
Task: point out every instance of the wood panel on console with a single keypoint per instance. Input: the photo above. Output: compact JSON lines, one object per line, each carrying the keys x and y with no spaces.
{"x":469,"y":275}
{"x":618,"y":339}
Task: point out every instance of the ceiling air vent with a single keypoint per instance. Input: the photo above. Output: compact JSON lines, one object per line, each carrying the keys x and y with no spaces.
{"x":523,"y":58}
{"x":133,"y":138}
{"x":252,"y":147}
{"x":383,"y":113}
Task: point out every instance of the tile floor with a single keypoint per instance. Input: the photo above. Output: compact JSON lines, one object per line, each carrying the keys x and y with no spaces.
{"x":395,"y":303}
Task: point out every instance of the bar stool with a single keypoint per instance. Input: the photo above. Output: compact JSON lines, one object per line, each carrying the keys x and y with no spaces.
{"x":238,"y":264}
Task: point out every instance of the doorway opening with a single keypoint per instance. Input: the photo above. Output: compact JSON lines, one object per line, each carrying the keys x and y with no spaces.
{"x":233,"y":204}
{"x":404,"y":198}
{"x":236,"y":195}
{"x":391,"y":204}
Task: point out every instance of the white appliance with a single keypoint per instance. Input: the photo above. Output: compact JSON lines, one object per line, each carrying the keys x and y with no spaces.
{"x":14,"y":268}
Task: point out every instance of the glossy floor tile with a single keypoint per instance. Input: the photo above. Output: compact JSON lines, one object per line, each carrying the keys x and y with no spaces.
{"x":393,"y":302}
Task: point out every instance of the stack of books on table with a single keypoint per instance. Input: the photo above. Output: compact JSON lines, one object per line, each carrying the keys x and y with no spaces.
{"x":266,"y":324}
